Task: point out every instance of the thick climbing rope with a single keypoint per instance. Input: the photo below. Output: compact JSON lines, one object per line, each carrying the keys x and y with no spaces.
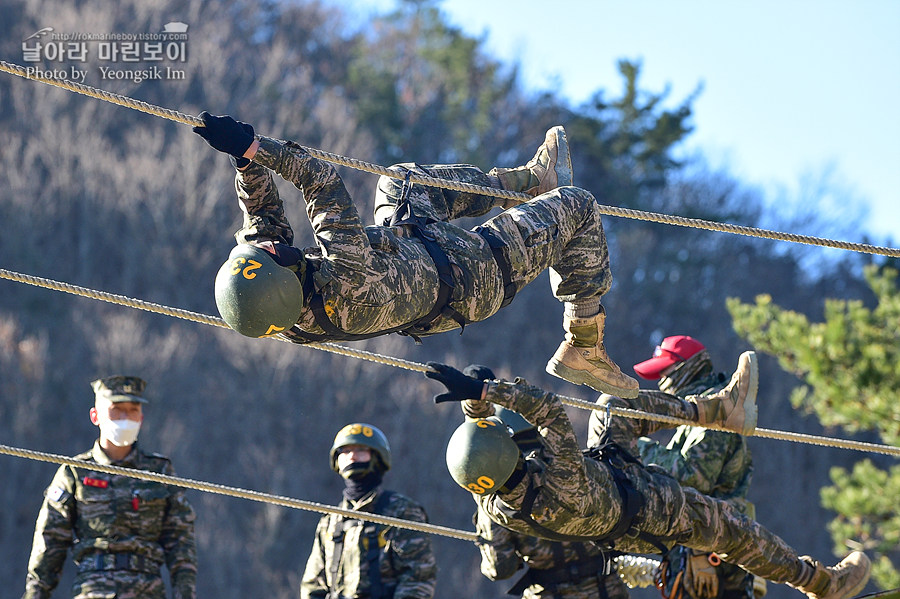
{"x":179,"y":117}
{"x":417,"y":367}
{"x":187,"y":483}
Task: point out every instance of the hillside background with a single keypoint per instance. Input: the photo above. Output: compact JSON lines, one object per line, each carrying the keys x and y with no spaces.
{"x":112,"y":199}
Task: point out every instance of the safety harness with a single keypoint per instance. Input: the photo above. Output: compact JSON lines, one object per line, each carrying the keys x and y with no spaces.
{"x":404,"y":215}
{"x":616,"y":458}
{"x":566,"y":572}
{"x":372,"y":542}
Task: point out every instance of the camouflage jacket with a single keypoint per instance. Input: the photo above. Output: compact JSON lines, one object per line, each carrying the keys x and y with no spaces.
{"x":97,"y":513}
{"x":371,"y":278}
{"x":578,"y":495}
{"x":504,"y":552}
{"x":406,"y":564}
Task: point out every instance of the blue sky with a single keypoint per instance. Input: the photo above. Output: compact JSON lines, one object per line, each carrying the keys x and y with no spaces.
{"x":792,"y":89}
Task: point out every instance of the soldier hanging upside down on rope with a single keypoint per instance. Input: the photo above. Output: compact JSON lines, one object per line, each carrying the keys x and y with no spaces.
{"x":414,"y":273}
{"x":610,"y":496}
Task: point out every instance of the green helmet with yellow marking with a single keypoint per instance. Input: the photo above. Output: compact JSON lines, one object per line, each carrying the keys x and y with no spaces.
{"x":481,"y":455}
{"x":360,"y":433}
{"x":255,"y":295}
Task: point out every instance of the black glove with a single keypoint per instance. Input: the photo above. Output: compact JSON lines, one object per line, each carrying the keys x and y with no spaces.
{"x":226,"y":134}
{"x":479,"y":372}
{"x":459,"y":386}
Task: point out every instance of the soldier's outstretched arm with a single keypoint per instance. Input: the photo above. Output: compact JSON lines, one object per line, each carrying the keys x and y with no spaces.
{"x":541,"y":408}
{"x":264,"y":218}
{"x":334,"y":219}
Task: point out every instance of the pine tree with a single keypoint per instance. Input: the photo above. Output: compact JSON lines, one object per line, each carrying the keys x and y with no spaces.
{"x":850,"y":364}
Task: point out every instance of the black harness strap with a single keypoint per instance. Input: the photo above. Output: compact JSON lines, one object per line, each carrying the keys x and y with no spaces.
{"x":632,"y":503}
{"x":337,"y":539}
{"x":497,"y":245}
{"x":373,"y":553}
{"x":563,"y":572}
{"x":403,"y":216}
{"x":370,"y":532}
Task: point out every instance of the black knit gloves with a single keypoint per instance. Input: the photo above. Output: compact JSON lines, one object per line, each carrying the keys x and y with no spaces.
{"x":226,"y":135}
{"x":459,"y":386}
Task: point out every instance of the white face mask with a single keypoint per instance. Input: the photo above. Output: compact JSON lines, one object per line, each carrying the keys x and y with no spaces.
{"x":120,"y":432}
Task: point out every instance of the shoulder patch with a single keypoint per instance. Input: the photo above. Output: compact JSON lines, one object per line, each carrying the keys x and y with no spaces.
{"x":56,"y":494}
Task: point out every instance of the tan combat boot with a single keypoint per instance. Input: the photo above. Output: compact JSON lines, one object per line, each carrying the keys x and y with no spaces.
{"x":734,"y":407}
{"x":842,"y":581}
{"x":581,"y":358}
{"x":551,"y":167}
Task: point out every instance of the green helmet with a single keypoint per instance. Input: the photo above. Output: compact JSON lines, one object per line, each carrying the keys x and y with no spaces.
{"x":513,"y":420}
{"x":255,"y":295}
{"x":360,"y":433}
{"x":481,"y":455}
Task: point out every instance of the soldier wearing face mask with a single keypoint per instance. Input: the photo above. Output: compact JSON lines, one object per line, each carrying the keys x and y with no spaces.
{"x":356,"y":558}
{"x":121,"y":530}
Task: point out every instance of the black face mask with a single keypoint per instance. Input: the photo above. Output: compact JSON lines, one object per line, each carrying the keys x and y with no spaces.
{"x":358,"y":486}
{"x":356,"y":469}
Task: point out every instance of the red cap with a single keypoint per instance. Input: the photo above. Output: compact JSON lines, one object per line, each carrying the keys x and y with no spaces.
{"x":671,"y":351}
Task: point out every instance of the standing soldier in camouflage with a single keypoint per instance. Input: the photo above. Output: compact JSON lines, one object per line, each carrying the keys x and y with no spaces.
{"x":414,"y":273}
{"x":355,"y":558}
{"x":121,"y":530}
{"x":554,"y":569}
{"x":716,"y":463}
{"x":609,"y":496}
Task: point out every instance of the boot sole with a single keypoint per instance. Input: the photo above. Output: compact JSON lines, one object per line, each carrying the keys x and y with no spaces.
{"x":855,"y":590}
{"x":564,"y":172}
{"x":580,"y":377}
{"x":751,"y":411}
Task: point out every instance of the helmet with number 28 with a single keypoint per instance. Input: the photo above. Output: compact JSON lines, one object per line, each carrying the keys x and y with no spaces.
{"x":255,"y":295}
{"x":481,"y":455}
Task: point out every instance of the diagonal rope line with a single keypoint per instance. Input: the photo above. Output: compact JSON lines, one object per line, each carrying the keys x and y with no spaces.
{"x":259,"y":496}
{"x":179,"y":117}
{"x":417,"y":367}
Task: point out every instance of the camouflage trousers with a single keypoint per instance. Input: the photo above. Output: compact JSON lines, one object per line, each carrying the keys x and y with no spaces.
{"x":118,"y":584}
{"x":560,"y":229}
{"x":700,"y":521}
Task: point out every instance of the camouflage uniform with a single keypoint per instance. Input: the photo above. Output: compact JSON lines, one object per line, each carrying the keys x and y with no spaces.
{"x":405,"y":562}
{"x":716,"y":463}
{"x":713,"y":462}
{"x":578,"y":496}
{"x":504,"y":552}
{"x":375,"y":278}
{"x":121,"y":531}
{"x":556,"y":570}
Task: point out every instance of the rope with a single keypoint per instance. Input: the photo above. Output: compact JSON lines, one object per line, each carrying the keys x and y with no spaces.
{"x":194,"y":317}
{"x":417,"y":367}
{"x":179,"y":117}
{"x":187,"y":483}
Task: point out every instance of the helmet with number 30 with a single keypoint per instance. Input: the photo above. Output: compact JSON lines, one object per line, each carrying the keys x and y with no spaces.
{"x":481,"y":455}
{"x":255,"y":295}
{"x":360,"y":433}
